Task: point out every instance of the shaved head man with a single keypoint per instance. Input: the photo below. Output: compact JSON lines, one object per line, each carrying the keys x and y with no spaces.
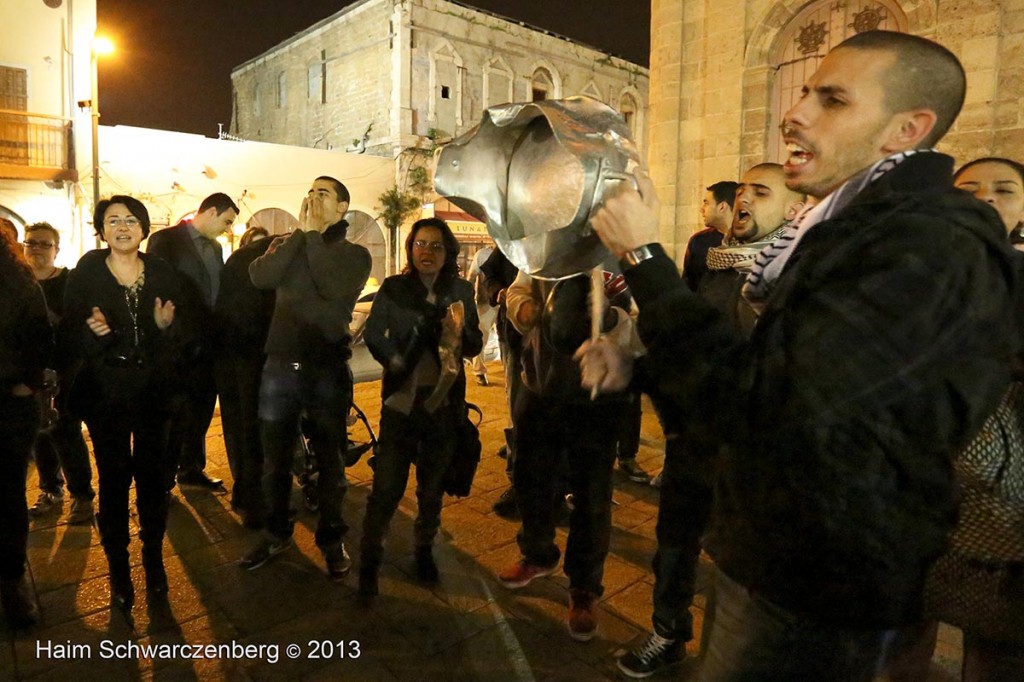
{"x":885,"y":339}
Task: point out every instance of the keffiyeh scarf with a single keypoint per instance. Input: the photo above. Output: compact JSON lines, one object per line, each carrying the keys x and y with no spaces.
{"x":739,"y":256}
{"x":771,"y":261}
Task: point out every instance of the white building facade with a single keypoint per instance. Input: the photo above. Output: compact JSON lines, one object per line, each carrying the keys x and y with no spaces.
{"x":383,"y":76}
{"x":45,"y":148}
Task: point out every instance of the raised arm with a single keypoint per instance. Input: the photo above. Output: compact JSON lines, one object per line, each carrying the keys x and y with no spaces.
{"x":268,"y":271}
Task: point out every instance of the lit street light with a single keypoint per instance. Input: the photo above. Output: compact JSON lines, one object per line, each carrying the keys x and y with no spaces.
{"x":100,"y":45}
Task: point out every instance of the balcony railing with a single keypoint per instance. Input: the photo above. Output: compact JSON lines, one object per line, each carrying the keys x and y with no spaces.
{"x":36,"y":146}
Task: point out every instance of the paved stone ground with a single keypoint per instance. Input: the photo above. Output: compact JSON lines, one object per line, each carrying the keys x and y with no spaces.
{"x":466,"y":628}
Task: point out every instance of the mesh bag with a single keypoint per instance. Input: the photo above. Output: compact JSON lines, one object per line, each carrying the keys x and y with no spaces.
{"x":978,"y":585}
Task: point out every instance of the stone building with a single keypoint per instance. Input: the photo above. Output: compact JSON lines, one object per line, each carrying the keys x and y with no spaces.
{"x":724,"y":71}
{"x":386,"y":75}
{"x":45,"y":145}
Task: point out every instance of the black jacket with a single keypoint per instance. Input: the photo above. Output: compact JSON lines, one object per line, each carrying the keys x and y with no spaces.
{"x":26,"y":339}
{"x":402,"y":322}
{"x":243,"y":310}
{"x":317,"y":279}
{"x":695,"y":260}
{"x":885,"y":344}
{"x":113,"y":371}
{"x":175,"y":245}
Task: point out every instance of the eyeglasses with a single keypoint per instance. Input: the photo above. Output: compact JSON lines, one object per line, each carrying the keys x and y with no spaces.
{"x":33,"y":244}
{"x":118,"y":222}
{"x":424,"y":244}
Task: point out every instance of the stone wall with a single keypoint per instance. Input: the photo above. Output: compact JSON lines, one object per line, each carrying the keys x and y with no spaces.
{"x":413,"y":69}
{"x":353,"y":49}
{"x":711,"y":88}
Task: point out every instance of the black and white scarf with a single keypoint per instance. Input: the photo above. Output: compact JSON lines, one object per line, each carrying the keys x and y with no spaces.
{"x":740,"y":256}
{"x":771,"y":261}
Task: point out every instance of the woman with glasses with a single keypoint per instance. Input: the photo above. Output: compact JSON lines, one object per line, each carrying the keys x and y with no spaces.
{"x":26,"y":342}
{"x":59,"y":447}
{"x":414,"y":314}
{"x":121,"y":341}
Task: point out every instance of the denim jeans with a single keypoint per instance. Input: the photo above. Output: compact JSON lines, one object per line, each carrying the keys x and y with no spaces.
{"x":585,"y":434}
{"x":755,"y":640}
{"x":323,"y":395}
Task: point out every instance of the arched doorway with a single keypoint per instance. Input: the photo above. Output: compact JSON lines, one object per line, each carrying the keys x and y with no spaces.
{"x":365,"y":231}
{"x":276,"y":220}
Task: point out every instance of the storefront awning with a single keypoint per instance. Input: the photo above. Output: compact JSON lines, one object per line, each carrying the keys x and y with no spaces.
{"x":463,"y":225}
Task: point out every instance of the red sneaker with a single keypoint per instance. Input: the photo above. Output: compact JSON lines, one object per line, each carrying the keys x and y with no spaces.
{"x":582,"y":619}
{"x":522,"y":574}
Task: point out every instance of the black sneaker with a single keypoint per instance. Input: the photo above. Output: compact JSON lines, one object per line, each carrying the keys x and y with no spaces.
{"x":199,"y":479}
{"x":654,"y":654}
{"x":264,"y":552}
{"x":506,"y":506}
{"x":633,"y":470}
{"x":339,"y":563}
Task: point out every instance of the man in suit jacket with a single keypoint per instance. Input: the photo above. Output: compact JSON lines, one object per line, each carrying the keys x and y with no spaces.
{"x":191,"y":248}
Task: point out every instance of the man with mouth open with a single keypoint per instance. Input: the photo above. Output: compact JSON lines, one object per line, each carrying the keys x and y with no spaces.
{"x":316,"y":274}
{"x":763,"y":206}
{"x":761,"y":212}
{"x":884,"y":340}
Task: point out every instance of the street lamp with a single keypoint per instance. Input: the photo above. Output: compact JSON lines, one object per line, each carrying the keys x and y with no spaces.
{"x":100,"y":45}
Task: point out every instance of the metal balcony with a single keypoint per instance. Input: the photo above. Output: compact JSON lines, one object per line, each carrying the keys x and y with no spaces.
{"x":36,"y":147}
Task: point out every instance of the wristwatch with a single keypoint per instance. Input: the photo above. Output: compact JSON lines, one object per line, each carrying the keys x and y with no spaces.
{"x":631,"y":259}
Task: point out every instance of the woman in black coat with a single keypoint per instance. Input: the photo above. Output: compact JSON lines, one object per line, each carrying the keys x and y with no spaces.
{"x":414,"y":313}
{"x":119,"y":340}
{"x":26,"y":342}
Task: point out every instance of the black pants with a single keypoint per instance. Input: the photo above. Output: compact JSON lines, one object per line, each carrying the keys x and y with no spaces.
{"x":585,"y":433}
{"x":426,"y":440}
{"x":238,"y":384}
{"x":682,"y":518}
{"x":19,"y":420}
{"x":323,"y":395}
{"x":629,"y":434}
{"x":193,"y":412}
{"x":63,"y":448}
{"x":130,"y":443}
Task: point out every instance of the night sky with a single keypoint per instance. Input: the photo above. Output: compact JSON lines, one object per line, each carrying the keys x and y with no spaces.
{"x":173,"y":60}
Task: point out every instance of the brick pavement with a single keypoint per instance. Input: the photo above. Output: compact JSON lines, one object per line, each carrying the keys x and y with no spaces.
{"x":468,"y":627}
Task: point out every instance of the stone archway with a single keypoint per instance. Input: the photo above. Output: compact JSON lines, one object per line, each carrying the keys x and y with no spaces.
{"x":920,"y":15}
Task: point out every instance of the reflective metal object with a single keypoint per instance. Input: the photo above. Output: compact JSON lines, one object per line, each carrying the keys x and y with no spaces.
{"x":534,"y":173}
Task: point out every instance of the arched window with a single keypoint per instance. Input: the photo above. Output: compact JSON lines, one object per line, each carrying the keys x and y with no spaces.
{"x":542,"y":85}
{"x":806,"y":40}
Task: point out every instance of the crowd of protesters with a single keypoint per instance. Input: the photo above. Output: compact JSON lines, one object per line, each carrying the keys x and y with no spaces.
{"x":829,"y":370}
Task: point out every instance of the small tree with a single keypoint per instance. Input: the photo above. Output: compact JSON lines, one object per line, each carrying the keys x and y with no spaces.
{"x":396,"y":208}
